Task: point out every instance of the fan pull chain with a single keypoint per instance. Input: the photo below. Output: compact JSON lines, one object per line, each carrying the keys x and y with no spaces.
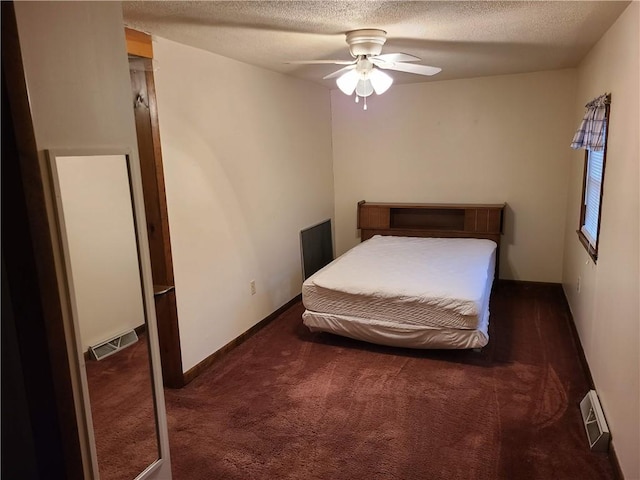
{"x":365,"y":101}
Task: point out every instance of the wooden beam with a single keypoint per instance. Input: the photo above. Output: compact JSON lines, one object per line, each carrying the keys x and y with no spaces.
{"x":138,"y":43}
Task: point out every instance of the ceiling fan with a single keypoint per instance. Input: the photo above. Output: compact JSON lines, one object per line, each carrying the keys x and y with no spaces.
{"x":364,"y":74}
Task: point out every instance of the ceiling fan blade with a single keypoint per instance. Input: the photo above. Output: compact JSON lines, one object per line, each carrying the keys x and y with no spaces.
{"x":395,"y":57}
{"x":319,"y":62}
{"x":337,"y":73}
{"x":407,"y":67}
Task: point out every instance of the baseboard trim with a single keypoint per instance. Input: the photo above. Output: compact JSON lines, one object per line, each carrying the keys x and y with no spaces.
{"x":615,"y":463}
{"x":613,"y":457}
{"x":577,"y":342}
{"x":140,"y":329}
{"x":196,"y":370}
{"x":528,"y":282}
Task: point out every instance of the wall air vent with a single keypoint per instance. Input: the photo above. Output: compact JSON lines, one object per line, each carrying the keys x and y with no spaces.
{"x":113,"y":345}
{"x":594,"y":422}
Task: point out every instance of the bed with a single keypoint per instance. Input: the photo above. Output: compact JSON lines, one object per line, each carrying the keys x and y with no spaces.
{"x":421,"y":278}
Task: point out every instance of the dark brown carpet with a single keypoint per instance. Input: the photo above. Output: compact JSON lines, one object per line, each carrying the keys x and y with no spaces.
{"x":122,"y":411}
{"x":289,"y":404}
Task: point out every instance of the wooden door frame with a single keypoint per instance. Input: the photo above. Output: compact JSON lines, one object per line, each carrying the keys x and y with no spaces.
{"x":139,"y":44}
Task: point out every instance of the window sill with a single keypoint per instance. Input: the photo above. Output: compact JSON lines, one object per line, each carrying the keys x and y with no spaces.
{"x":593,"y":253}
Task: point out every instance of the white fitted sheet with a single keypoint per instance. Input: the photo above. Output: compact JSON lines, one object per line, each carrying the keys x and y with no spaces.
{"x":403,"y":291}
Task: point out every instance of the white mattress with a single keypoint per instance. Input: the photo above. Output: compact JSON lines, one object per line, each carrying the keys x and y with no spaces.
{"x":432,"y":283}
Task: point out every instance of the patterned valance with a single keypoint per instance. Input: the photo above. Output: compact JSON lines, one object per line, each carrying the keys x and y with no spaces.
{"x":591,"y":133}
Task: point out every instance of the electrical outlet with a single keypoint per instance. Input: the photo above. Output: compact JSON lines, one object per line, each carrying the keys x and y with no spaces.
{"x":578,"y":284}
{"x":252,"y":285}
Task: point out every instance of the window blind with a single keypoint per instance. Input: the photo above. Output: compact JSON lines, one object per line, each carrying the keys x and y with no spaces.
{"x":593,"y":188}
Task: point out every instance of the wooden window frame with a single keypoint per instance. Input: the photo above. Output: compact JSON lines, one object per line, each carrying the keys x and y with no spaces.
{"x":591,"y":250}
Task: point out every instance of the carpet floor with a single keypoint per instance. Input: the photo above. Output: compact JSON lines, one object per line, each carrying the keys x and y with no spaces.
{"x":291,"y":404}
{"x":122,"y":410}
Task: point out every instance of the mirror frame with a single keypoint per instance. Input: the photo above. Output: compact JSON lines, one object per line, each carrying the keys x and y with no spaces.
{"x":161,"y":467}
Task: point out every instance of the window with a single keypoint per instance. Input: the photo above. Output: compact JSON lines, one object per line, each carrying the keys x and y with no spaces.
{"x":592,"y":197}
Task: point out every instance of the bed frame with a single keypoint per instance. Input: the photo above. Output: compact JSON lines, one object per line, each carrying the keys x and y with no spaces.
{"x":432,"y":220}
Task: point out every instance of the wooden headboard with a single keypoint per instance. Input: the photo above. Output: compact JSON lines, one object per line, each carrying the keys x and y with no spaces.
{"x":432,"y":220}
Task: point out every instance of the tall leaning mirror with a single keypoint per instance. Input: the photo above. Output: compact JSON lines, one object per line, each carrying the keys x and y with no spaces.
{"x":108,"y":278}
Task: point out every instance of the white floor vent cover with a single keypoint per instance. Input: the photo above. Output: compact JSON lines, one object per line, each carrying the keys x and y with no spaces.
{"x":113,"y":345}
{"x":594,"y":422}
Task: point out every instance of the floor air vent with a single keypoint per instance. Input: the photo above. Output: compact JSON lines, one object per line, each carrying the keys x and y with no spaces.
{"x":113,"y":345}
{"x":594,"y":422}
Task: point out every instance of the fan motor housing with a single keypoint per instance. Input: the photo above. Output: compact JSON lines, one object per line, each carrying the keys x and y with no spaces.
{"x":366,"y":42}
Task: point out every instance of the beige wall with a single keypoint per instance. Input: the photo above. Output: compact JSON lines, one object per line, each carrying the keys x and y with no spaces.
{"x":247,"y":158}
{"x":101,"y":239}
{"x":77,"y":74}
{"x":484,"y":140}
{"x":606,"y":310}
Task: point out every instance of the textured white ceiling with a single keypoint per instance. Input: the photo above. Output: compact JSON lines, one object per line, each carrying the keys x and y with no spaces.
{"x":465,"y":38}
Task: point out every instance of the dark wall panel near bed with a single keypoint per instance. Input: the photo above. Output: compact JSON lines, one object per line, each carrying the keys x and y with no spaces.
{"x":316,"y":245}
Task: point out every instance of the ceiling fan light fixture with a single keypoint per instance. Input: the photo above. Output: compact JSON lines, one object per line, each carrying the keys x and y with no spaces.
{"x":364,"y":87}
{"x":366,"y":73}
{"x":368,"y":41}
{"x":347,"y":82}
{"x":380,"y":81}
